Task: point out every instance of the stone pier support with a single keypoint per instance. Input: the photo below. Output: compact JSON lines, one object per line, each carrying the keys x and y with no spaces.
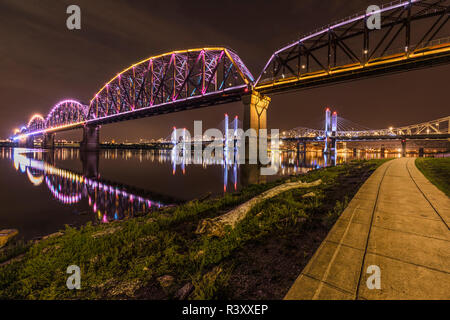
{"x":27,"y":142}
{"x":48,"y":141}
{"x":91,"y":138}
{"x":255,"y":111}
{"x":404,"y":148}
{"x":255,"y":117}
{"x":250,"y":174}
{"x":421,"y":152}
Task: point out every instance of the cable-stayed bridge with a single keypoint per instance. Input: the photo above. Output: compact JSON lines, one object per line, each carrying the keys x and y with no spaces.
{"x":435,"y":129}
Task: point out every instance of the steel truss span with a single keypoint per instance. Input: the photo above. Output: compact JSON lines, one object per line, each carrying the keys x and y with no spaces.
{"x":171,"y":79}
{"x":413,"y":34}
{"x":165,"y":83}
{"x":66,"y":113}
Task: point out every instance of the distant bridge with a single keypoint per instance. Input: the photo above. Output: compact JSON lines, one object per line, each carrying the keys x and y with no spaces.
{"x":435,"y":129}
{"x":438,"y":129}
{"x":414,"y":34}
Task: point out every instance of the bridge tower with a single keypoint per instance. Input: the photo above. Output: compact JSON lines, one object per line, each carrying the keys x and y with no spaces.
{"x":231,"y":131}
{"x":330,"y":131}
{"x":235,"y":132}
{"x":226,"y":130}
{"x":327,"y":128}
{"x":91,"y":138}
{"x":173,"y":137}
{"x":403,"y":147}
{"x":333,"y":131}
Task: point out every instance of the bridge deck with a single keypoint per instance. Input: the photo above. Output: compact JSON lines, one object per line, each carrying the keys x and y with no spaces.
{"x":397,"y":221}
{"x":426,"y":57}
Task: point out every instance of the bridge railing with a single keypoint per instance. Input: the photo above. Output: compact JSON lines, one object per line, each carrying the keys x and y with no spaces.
{"x":352,"y":17}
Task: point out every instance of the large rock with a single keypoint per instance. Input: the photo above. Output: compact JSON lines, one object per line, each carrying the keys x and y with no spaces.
{"x":6,"y":235}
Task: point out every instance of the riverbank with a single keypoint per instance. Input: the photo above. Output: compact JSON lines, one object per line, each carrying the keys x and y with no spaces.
{"x":160,"y":256}
{"x":437,"y":170}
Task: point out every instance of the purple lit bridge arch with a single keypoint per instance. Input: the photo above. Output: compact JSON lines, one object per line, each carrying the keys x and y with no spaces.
{"x":414,"y":34}
{"x":170,"y":82}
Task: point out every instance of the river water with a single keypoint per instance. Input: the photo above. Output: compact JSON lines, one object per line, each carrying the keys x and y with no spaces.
{"x":41,"y":191}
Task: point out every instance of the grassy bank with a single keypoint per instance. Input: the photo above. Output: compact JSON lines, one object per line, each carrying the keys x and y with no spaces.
{"x":160,"y":256}
{"x":437,"y":170}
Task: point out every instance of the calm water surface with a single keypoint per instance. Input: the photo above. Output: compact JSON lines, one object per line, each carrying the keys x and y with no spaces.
{"x":41,"y":191}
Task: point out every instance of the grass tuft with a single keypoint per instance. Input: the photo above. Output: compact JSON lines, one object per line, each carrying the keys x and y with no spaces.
{"x":437,"y":170}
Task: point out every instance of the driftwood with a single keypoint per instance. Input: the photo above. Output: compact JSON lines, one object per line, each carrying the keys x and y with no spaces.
{"x":216,"y":226}
{"x":6,"y":235}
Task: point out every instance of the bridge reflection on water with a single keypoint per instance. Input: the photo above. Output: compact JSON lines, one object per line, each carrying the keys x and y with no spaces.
{"x":118,"y":184}
{"x":109,"y":201}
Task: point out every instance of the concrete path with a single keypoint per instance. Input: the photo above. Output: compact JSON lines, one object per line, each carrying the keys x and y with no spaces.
{"x":397,"y":221}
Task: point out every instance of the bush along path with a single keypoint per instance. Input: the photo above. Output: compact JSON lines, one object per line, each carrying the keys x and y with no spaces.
{"x":160,"y":256}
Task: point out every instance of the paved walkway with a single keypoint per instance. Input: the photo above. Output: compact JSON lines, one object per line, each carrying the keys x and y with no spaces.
{"x":397,"y":221}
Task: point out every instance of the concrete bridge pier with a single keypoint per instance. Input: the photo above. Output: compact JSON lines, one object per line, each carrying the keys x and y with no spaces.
{"x":28,"y":142}
{"x":403,"y":147}
{"x":91,"y":138}
{"x":255,"y":111}
{"x":90,"y":161}
{"x":301,"y":148}
{"x":255,"y":116}
{"x":48,"y":141}
{"x":250,"y":174}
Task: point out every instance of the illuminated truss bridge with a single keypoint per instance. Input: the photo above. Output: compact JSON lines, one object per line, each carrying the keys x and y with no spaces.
{"x":414,"y":34}
{"x":165,"y":83}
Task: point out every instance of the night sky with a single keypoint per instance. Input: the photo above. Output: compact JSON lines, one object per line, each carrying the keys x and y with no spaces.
{"x":42,"y":62}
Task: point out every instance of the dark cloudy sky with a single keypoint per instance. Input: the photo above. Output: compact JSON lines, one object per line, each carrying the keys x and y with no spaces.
{"x":42,"y":62}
